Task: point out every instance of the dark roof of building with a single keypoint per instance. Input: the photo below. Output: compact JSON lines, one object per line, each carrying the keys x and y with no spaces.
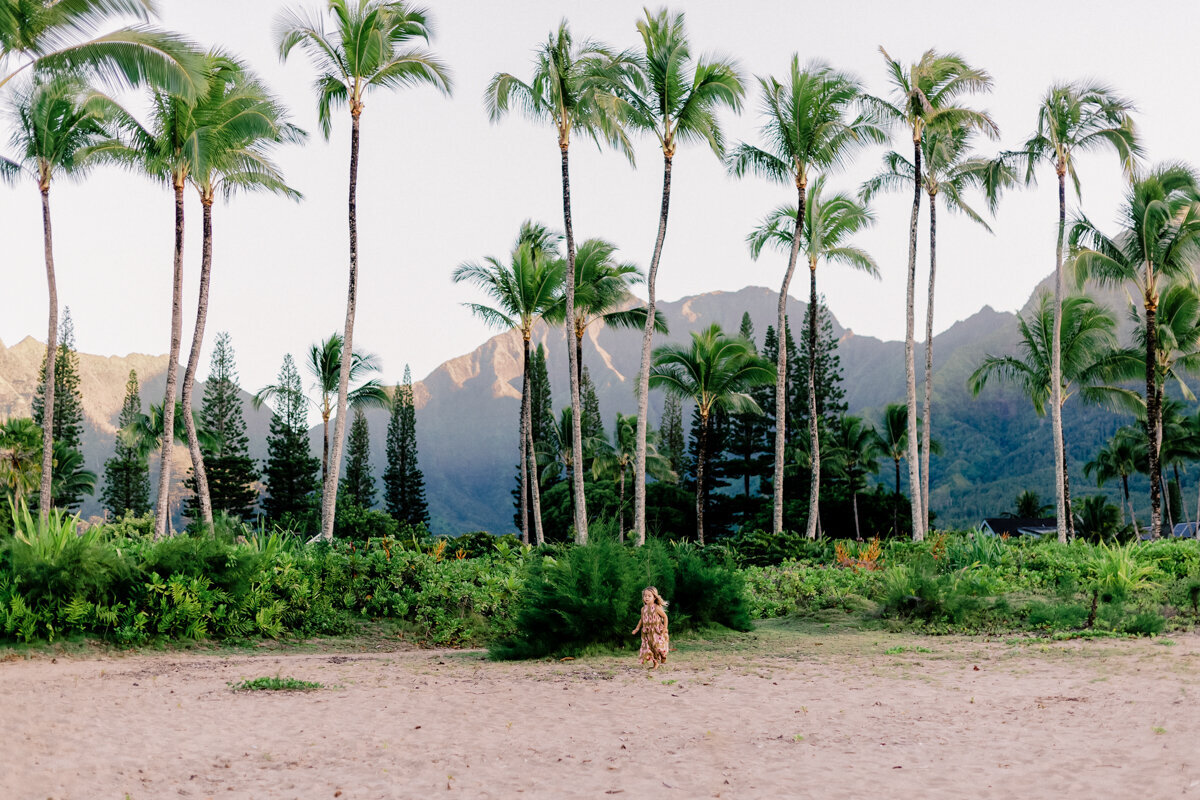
{"x":1017,"y":526}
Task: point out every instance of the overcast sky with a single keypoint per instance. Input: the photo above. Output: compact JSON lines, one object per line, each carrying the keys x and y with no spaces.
{"x":440,"y":185}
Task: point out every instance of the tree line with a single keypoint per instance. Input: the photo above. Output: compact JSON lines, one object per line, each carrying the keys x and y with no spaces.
{"x":214,"y":126}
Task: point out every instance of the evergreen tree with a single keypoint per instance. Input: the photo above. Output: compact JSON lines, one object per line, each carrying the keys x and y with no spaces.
{"x":404,"y":483}
{"x":748,"y":456}
{"x":67,"y":429}
{"x":542,"y":419}
{"x":831,"y":397}
{"x":291,"y":470}
{"x":671,"y":426}
{"x":358,"y":484}
{"x":127,"y":473}
{"x":591,"y":426}
{"x":231,"y":471}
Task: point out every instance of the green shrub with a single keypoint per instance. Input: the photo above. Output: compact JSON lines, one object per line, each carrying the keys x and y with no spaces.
{"x":1145,"y":623}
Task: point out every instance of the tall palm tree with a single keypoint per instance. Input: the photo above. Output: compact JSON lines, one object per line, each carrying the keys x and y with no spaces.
{"x":714,"y":372}
{"x":923,"y":94}
{"x":951,"y":170}
{"x":829,"y":222}
{"x":614,"y":460}
{"x":324,"y":364}
{"x":69,"y":37}
{"x":1159,"y":242}
{"x":807,"y":129}
{"x":371,"y":46}
{"x":1074,"y":118}
{"x":57,"y":123}
{"x":856,"y":450}
{"x":601,"y":289}
{"x":893,"y":444}
{"x":571,"y":88}
{"x":1087,"y":337}
{"x":668,"y":93}
{"x":522,"y":292}
{"x":1118,"y":458}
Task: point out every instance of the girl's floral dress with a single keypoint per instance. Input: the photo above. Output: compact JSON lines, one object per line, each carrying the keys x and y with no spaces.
{"x":655,"y":637}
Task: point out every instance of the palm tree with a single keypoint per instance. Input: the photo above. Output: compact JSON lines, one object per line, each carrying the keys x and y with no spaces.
{"x":571,"y":88}
{"x":601,"y":288}
{"x":922,"y":95}
{"x":856,"y":450}
{"x":828,"y":223}
{"x":522,"y":292}
{"x":324,"y":364}
{"x":806,"y":129}
{"x":1087,"y":336}
{"x":1074,"y":118}
{"x":614,"y":460}
{"x":1159,"y":242}
{"x":20,"y":466}
{"x":1118,"y":458}
{"x":57,"y":123}
{"x":667,"y":93}
{"x":893,"y":444}
{"x":951,"y":170}
{"x":557,"y":452}
{"x":67,"y":36}
{"x":370,"y":47}
{"x":714,"y":372}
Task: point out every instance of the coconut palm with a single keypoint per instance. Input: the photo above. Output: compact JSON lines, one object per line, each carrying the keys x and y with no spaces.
{"x":668,"y":93}
{"x":856,"y":451}
{"x":951,"y":171}
{"x":57,"y":122}
{"x":808,"y":128}
{"x":324,"y":364}
{"x":714,"y":372}
{"x":72,"y":479}
{"x":237,"y":124}
{"x":614,"y":460}
{"x":893,"y":444}
{"x":522,"y":292}
{"x":1074,"y":118}
{"x":571,"y":88}
{"x":1159,"y":242}
{"x":20,"y":462}
{"x":556,"y":454}
{"x":371,"y":46}
{"x":1118,"y":458}
{"x":1088,"y":339}
{"x":924,"y":94}
{"x":601,"y":289}
{"x":829,"y":222}
{"x":68,"y":37}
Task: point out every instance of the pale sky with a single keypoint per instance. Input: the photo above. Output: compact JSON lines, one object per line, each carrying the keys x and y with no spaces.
{"x":440,"y":185}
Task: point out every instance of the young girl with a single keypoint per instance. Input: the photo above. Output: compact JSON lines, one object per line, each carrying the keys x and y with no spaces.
{"x":653,"y":626}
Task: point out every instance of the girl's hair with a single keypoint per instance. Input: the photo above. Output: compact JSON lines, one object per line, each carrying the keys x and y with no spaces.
{"x":657,"y":597}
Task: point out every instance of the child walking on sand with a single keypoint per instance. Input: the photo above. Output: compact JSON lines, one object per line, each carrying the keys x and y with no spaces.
{"x":653,"y":626}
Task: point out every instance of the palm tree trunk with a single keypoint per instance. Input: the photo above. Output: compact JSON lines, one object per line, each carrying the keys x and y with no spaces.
{"x":1179,"y":489}
{"x":621,"y":505}
{"x":524,"y":437}
{"x":45,"y":493}
{"x":1066,"y":479}
{"x":857,"y":531}
{"x":926,"y":436}
{"x":781,"y":362}
{"x":579,"y":358}
{"x":329,"y":490}
{"x":814,"y":429}
{"x":1129,"y":502}
{"x":910,"y":367}
{"x":1060,"y":490}
{"x":643,"y":382}
{"x":581,"y":533}
{"x":199,"y":473}
{"x":534,"y":475}
{"x":896,"y":502}
{"x":701,"y":458}
{"x":324,"y":453}
{"x":162,"y":506}
{"x":1153,"y":415}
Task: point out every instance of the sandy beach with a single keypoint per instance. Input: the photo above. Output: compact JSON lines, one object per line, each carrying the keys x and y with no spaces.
{"x":785,"y":712}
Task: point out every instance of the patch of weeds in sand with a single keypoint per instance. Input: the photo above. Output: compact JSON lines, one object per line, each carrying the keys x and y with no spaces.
{"x":1166,"y":642}
{"x":899,"y":649}
{"x":670,"y":682}
{"x":1158,"y":731}
{"x":275,"y":683}
{"x":798,"y":738}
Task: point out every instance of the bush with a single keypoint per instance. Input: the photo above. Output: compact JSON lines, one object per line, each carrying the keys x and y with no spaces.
{"x":590,"y":597}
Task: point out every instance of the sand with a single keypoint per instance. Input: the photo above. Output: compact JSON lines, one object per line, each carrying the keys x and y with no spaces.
{"x":780,"y":713}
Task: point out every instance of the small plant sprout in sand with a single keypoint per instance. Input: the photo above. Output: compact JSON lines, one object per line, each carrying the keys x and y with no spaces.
{"x":275,"y":684}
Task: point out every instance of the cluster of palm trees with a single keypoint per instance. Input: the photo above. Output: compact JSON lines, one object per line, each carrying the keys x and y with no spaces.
{"x":214,"y":126}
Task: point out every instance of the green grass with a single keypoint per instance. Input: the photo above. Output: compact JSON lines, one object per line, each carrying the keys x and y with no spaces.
{"x":899,"y":649}
{"x":275,"y":684}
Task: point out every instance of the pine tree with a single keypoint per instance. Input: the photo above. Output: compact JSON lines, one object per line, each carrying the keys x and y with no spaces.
{"x":127,"y":473}
{"x":671,"y":427}
{"x":291,"y":469}
{"x":542,"y":418}
{"x":831,"y":397}
{"x":747,"y":439}
{"x":404,"y":483}
{"x":590,"y":423}
{"x":358,"y":482}
{"x":231,"y":471}
{"x":68,"y":412}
